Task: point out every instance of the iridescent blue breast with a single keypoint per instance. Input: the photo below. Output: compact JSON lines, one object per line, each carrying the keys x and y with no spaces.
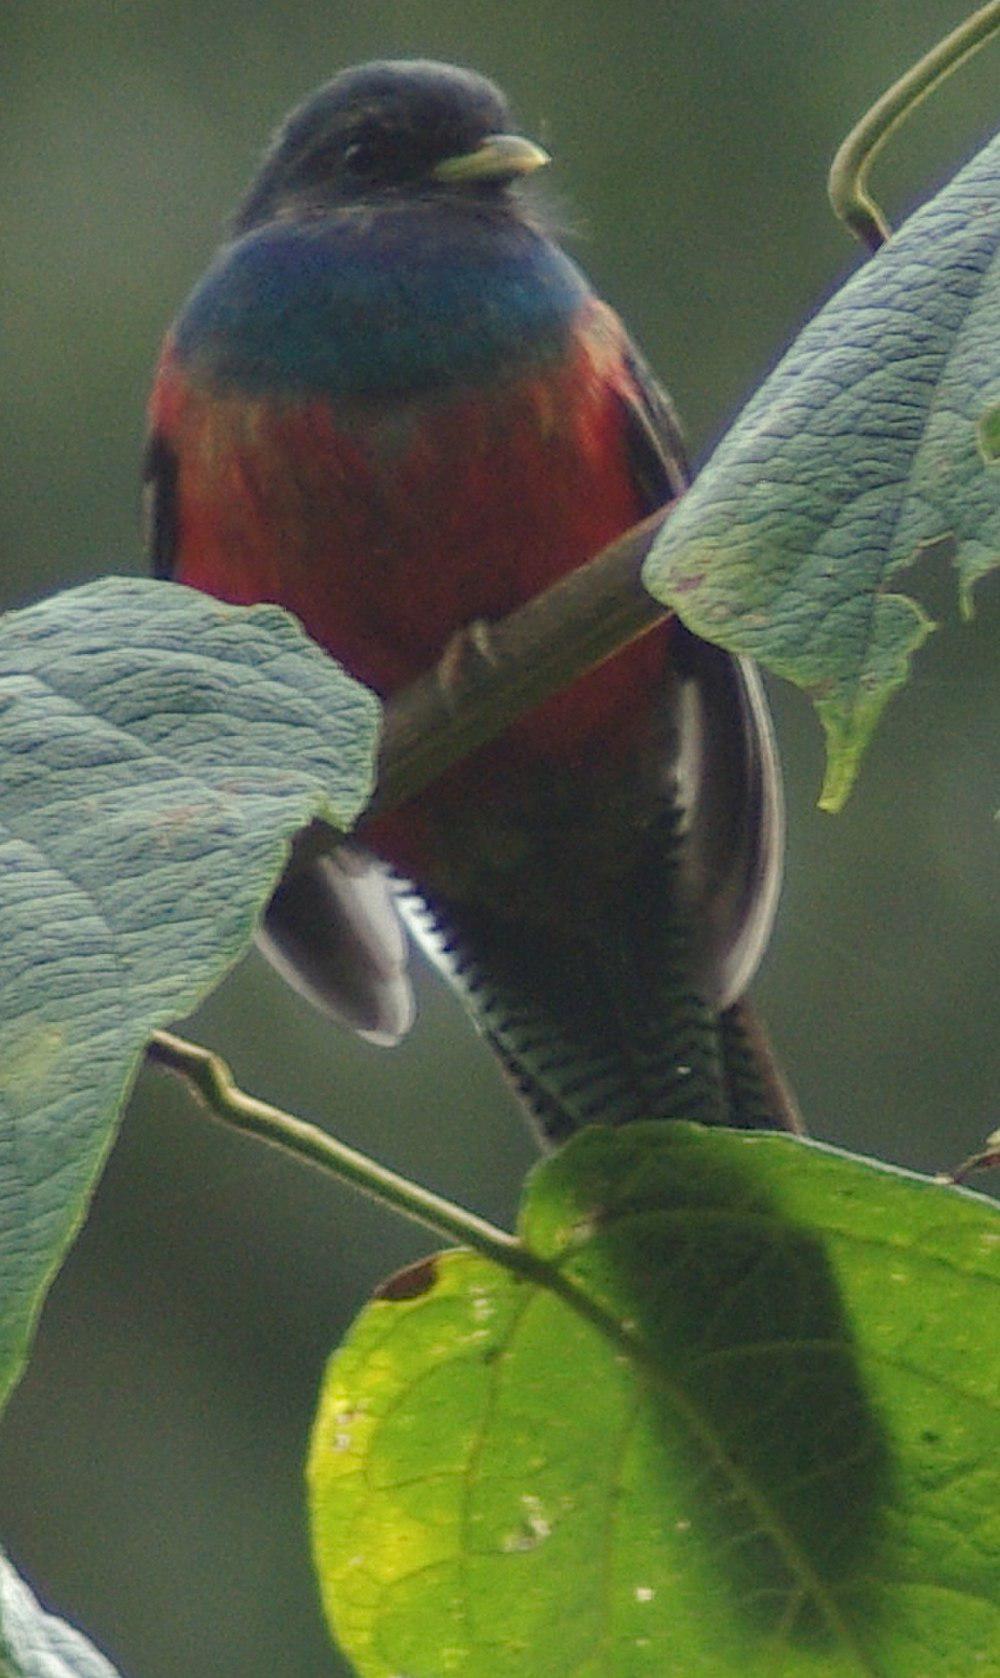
{"x":381,"y":303}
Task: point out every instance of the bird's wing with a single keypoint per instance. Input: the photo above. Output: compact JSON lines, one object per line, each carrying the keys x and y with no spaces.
{"x":655,"y":439}
{"x":724,"y":769}
{"x":331,"y":928}
{"x":159,"y":505}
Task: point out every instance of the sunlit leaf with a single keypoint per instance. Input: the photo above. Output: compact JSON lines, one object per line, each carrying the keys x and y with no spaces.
{"x":752,"y":1431}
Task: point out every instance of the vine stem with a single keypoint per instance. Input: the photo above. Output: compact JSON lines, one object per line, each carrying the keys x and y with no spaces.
{"x":208,"y":1076}
{"x":848,"y":184}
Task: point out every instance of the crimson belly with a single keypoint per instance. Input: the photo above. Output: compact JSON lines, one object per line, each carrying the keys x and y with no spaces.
{"x":386,"y":530}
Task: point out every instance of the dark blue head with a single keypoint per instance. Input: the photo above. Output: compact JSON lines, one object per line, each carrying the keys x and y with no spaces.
{"x":384,"y":130}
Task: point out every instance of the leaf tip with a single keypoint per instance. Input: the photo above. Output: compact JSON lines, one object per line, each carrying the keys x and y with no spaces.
{"x":966,"y":599}
{"x":988,"y":435}
{"x":845,"y":744}
{"x":848,"y":728}
{"x":838,"y":781}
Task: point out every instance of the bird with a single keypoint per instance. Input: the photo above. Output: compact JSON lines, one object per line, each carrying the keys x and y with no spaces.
{"x":395,"y":406}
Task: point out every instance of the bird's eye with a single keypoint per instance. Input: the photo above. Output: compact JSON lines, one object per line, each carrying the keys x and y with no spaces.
{"x":365,"y":151}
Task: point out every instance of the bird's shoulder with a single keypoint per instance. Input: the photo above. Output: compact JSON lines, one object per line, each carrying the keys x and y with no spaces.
{"x":651,"y":429}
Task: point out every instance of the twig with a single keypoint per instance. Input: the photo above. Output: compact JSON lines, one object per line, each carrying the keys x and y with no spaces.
{"x":212,"y":1082}
{"x":491,"y":674}
{"x":849,"y":171}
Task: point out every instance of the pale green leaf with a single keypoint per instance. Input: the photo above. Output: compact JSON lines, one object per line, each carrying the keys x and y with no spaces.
{"x":158,"y":751}
{"x":869,"y":444}
{"x":34,"y":1644}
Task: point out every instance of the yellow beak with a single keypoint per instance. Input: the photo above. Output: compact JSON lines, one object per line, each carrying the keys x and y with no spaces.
{"x":497,"y":157}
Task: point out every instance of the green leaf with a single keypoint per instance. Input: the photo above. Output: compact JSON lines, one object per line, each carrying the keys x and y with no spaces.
{"x":157,"y":752}
{"x":989,"y":435}
{"x":34,"y":1644}
{"x":868,"y":445}
{"x":750,"y":1430}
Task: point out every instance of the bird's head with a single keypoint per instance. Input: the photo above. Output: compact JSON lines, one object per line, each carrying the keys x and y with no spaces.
{"x":385,"y":130}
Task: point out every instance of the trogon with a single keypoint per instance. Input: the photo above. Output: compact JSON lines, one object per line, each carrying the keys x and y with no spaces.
{"x":395,"y":406}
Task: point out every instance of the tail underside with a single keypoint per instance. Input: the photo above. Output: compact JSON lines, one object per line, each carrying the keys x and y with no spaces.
{"x":606,"y":951}
{"x":587,"y":1037}
{"x":628,"y":1000}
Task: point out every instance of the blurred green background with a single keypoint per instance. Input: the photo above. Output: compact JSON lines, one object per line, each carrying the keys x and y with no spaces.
{"x":150,"y":1463}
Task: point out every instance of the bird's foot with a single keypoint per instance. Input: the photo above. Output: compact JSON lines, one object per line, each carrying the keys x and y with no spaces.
{"x":470,"y":654}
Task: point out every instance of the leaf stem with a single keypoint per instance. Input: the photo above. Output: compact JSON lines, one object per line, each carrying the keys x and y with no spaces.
{"x":212,"y":1082}
{"x":849,"y":171}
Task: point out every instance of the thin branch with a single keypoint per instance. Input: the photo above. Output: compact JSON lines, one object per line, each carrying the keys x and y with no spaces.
{"x":491,"y":674}
{"x":494,"y":673}
{"x":210,"y":1079}
{"x":849,"y":171}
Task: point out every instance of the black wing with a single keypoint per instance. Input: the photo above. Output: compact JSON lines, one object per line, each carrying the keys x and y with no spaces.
{"x":159,"y":505}
{"x":726,"y":778}
{"x":332,"y":930}
{"x":656,"y":441}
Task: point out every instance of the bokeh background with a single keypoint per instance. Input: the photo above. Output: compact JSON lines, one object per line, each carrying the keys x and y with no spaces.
{"x":150,"y":1465}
